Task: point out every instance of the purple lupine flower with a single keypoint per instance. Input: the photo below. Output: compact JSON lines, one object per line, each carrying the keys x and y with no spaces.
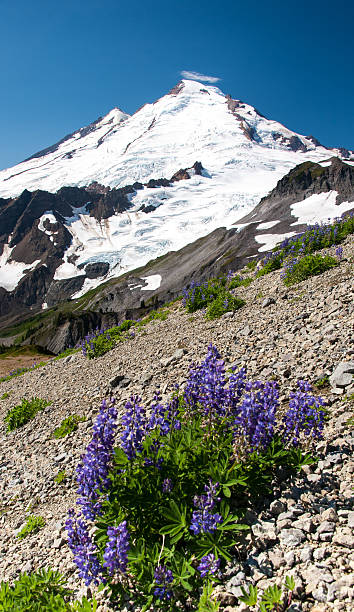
{"x":116,"y":551}
{"x":158,"y":416}
{"x":256,"y":417}
{"x":237,"y":382}
{"x":305,"y":415}
{"x":205,"y":387}
{"x":339,"y":252}
{"x":92,"y":472}
{"x":167,"y":485}
{"x":134,"y":422}
{"x":84,"y":550}
{"x":203,"y":520}
{"x":208,"y":565}
{"x":163,"y":578}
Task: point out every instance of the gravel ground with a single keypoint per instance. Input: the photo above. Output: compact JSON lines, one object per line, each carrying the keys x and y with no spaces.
{"x":286,"y":334}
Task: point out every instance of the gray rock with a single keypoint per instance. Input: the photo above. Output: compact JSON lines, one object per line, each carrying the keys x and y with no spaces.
{"x":326,"y":527}
{"x":306,"y":553}
{"x":237,"y":580}
{"x":351,"y":519}
{"x":320,"y":594}
{"x":264,"y":531}
{"x":119,"y":380}
{"x":344,"y":537}
{"x":304,"y":524}
{"x":277,"y":507}
{"x":291,"y":537}
{"x":276,"y":558}
{"x":267,"y":302}
{"x":330,"y":515}
{"x":289,"y":558}
{"x":314,"y":478}
{"x":178,"y":354}
{"x":145,"y":378}
{"x":342,"y":375}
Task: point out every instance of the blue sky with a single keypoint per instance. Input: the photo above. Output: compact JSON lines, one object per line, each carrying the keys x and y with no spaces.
{"x":65,"y":63}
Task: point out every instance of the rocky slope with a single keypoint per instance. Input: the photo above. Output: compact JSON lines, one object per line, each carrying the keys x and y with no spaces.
{"x":305,"y":531}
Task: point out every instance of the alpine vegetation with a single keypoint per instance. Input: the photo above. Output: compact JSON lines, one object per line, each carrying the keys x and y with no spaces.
{"x":24,"y":412}
{"x":163,"y":493}
{"x":214,"y":295}
{"x":296,"y":254}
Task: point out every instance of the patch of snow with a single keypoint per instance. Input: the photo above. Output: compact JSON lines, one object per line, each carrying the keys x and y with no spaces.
{"x":319,"y":207}
{"x":89,"y":283}
{"x":266,"y":225}
{"x":269,"y":241}
{"x":11,"y":272}
{"x":325,"y":164}
{"x":47,"y":216}
{"x":153,"y":282}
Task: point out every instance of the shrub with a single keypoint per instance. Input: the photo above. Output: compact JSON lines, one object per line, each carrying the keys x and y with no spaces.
{"x":214,"y":295}
{"x":297,"y":270}
{"x":39,"y":592}
{"x":225,"y":302}
{"x":5,"y":395}
{"x":32,"y":525}
{"x":67,"y":426}
{"x":167,"y":504}
{"x":24,"y":412}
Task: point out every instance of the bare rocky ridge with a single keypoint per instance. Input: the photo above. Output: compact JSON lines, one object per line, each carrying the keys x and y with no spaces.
{"x":306,"y":530}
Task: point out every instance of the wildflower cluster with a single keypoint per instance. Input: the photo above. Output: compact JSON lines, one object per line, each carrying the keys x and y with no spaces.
{"x":208,"y":565}
{"x":116,"y":552}
{"x":295,"y":253}
{"x":214,"y":295}
{"x":306,"y":415}
{"x":203,"y":520}
{"x":84,"y":549}
{"x":92,"y":472}
{"x":165,"y":505}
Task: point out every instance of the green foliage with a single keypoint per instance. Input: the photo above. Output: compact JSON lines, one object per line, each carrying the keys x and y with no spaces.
{"x":214,"y":295}
{"x":322,"y":382}
{"x":310,"y":265}
{"x":24,"y":412}
{"x":275,"y":263}
{"x":60,"y":477}
{"x":66,"y":353}
{"x":67,"y":426}
{"x":251,"y":265}
{"x":5,"y":395}
{"x":225,"y":302}
{"x":206,"y":603}
{"x":273,"y":598}
{"x":41,"y":591}
{"x":32,"y":525}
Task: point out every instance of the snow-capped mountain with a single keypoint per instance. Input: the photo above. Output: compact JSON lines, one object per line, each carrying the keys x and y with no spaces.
{"x":111,"y":196}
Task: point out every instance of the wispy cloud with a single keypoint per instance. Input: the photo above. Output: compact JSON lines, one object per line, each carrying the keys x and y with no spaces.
{"x":196,"y":76}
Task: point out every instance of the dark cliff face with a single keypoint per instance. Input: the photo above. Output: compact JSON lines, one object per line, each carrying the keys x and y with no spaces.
{"x":19,"y":229}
